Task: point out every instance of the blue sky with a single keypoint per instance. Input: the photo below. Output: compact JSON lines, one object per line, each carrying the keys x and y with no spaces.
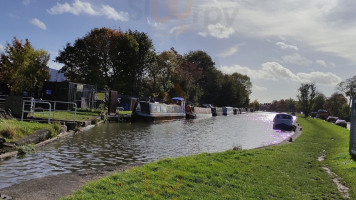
{"x":279,"y":43}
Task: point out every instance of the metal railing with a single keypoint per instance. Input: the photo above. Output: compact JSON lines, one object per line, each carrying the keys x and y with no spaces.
{"x":32,"y":104}
{"x":68,"y":103}
{"x":29,"y":106}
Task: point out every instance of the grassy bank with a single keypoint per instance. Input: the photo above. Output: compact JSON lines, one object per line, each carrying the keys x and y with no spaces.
{"x":81,"y":115}
{"x":67,"y":115}
{"x":280,"y":172}
{"x":13,"y":130}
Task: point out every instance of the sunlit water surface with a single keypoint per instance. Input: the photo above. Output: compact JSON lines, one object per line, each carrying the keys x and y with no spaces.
{"x":137,"y":143}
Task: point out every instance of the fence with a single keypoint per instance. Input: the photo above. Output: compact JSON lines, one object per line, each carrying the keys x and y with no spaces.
{"x":30,"y":106}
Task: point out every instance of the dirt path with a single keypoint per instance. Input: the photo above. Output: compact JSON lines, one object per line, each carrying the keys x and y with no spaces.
{"x":55,"y":187}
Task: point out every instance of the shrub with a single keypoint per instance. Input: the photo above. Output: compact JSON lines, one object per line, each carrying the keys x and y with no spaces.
{"x":24,"y":149}
{"x":94,"y":120}
{"x":9,"y":132}
{"x":56,"y":129}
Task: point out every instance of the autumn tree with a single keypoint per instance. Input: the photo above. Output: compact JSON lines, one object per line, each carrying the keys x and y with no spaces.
{"x":334,"y":104}
{"x":306,"y":96}
{"x":110,"y":59}
{"x":319,"y":102}
{"x":255,"y":105}
{"x":348,"y":88}
{"x":210,"y":80}
{"x":235,"y":90}
{"x":290,"y":105}
{"x":186,"y":79}
{"x":23,"y":68}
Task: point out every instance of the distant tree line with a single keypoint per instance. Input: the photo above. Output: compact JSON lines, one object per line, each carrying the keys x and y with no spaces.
{"x":311,"y":100}
{"x":127,"y":62}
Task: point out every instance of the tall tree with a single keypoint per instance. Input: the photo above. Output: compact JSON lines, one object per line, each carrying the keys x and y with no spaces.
{"x":348,"y":88}
{"x":319,"y":102}
{"x":334,"y":104}
{"x":109,"y":59}
{"x":306,"y":96}
{"x":23,"y":68}
{"x":255,"y":105}
{"x":210,"y":80}
{"x":290,"y":105}
{"x":186,"y":79}
{"x":144,"y":60}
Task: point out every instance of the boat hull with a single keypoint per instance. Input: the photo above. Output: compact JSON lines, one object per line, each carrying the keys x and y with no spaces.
{"x":198,"y":112}
{"x":153,"y":111}
{"x":156,"y":117}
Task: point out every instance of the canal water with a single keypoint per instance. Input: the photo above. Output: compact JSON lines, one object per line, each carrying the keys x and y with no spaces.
{"x":137,"y":143}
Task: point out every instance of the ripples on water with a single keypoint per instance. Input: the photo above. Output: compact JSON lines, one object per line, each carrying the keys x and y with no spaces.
{"x":116,"y":144}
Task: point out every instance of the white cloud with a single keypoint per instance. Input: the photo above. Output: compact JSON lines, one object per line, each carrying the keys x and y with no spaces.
{"x":55,"y":65}
{"x":274,"y":71}
{"x":277,"y":71}
{"x":178,"y":30}
{"x":38,"y":23}
{"x":76,"y":8}
{"x":283,"y":45}
{"x":320,"y":77}
{"x":152,"y":23}
{"x":258,"y":88}
{"x":203,"y":34}
{"x":321,"y":62}
{"x":231,"y":51}
{"x":111,"y":13}
{"x":2,"y":49}
{"x":218,"y":31}
{"x":326,"y":26}
{"x":296,"y":59}
{"x":26,"y":2}
{"x":79,"y":7}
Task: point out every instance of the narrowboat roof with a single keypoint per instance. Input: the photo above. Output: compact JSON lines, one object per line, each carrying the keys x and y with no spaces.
{"x":178,"y":98}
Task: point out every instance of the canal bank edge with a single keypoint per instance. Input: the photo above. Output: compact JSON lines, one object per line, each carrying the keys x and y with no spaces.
{"x":298,"y":132}
{"x":57,"y":186}
{"x":64,"y":133}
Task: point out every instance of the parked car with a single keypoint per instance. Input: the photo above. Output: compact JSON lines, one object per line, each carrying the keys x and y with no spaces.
{"x":313,"y":114}
{"x":284,"y":122}
{"x":341,"y":123}
{"x":332,"y":119}
{"x":322,"y":114}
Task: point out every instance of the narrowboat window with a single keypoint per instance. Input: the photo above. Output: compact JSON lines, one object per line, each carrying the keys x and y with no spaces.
{"x":155,"y":108}
{"x":170,"y":109}
{"x":163,"y":108}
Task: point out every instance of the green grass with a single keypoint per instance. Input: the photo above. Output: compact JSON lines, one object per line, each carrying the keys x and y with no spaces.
{"x":67,"y":115}
{"x":13,"y":130}
{"x":100,"y":96}
{"x":123,"y":112}
{"x":279,"y":172}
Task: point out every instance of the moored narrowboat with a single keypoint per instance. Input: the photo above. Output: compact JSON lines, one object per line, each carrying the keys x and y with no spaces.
{"x":227,"y":111}
{"x":197,"y":112}
{"x":217,"y":111}
{"x":152,"y":111}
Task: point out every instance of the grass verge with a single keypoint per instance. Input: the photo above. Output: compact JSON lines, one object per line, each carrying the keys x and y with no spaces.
{"x":280,"y":172}
{"x":13,"y":130}
{"x":67,"y":115}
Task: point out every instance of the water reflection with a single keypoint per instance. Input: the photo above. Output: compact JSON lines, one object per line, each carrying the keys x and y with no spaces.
{"x":116,"y":144}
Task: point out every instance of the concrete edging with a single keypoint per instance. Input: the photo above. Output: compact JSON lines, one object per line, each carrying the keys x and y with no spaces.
{"x":41,"y":144}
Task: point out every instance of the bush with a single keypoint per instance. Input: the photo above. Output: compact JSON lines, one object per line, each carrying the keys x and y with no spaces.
{"x":345,"y":112}
{"x":24,"y":149}
{"x":94,"y":120}
{"x":9,"y":132}
{"x":56,"y":129}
